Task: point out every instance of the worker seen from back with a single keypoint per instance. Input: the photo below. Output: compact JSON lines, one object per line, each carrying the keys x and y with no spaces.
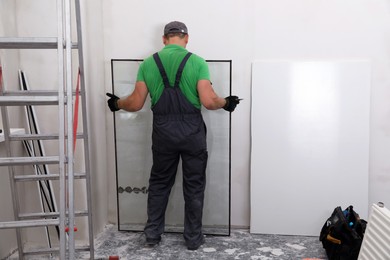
{"x":178,"y":83}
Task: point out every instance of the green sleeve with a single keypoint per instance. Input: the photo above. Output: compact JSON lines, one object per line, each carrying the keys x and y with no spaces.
{"x":140,"y":74}
{"x":204,"y":72}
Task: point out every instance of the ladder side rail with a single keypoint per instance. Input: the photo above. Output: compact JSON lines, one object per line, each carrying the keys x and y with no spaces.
{"x":61,"y":128}
{"x":11,"y":169}
{"x":69,"y":121}
{"x":85,"y":126}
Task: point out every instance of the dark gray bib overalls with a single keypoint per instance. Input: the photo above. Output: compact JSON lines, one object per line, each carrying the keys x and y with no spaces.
{"x":178,"y":132}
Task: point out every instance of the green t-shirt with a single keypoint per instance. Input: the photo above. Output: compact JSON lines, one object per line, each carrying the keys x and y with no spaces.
{"x":171,"y":56}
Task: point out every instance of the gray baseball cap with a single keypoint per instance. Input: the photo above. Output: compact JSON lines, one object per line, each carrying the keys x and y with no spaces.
{"x":175,"y":27}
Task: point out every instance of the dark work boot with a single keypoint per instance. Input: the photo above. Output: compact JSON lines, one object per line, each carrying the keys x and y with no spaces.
{"x":152,"y":241}
{"x":196,"y":246}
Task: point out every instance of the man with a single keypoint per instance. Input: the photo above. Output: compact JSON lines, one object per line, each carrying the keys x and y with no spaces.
{"x":179,"y":84}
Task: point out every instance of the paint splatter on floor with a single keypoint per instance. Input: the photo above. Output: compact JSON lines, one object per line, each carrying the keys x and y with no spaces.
{"x":209,"y":250}
{"x":231,"y":251}
{"x":298,"y":247}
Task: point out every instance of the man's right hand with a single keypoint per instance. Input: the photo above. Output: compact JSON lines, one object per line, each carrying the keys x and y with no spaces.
{"x":231,"y":103}
{"x":112,"y":102}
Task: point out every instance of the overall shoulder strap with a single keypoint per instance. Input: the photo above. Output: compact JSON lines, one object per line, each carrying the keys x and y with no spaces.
{"x":164,"y":74}
{"x":161,"y":69}
{"x":180,"y":70}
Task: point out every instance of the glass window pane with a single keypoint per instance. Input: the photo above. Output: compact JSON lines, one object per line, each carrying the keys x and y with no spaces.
{"x":133,"y":133}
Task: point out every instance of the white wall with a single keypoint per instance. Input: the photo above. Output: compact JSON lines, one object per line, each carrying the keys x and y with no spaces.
{"x":249,"y":30}
{"x":134,"y":30}
{"x":243,"y":31}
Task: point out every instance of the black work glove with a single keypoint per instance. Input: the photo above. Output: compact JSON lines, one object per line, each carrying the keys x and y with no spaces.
{"x":231,"y":103}
{"x":112,"y":102}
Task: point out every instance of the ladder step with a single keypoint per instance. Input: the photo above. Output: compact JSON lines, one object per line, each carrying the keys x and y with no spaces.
{"x":29,"y":137}
{"x":30,"y":43}
{"x":12,"y":131}
{"x":28,"y":100}
{"x":35,"y":93}
{"x":8,"y":161}
{"x":31,"y":93}
{"x":81,"y":213}
{"x":25,"y":137}
{"x":41,"y":251}
{"x":29,"y":223}
{"x":45,"y":177}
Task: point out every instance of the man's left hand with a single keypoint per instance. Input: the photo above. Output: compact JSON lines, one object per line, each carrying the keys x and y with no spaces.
{"x":112,"y":102}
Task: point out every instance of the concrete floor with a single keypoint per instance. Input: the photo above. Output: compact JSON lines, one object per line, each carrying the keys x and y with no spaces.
{"x":239,"y":245}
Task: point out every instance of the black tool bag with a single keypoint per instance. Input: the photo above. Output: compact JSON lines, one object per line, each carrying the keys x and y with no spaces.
{"x":342,"y":234}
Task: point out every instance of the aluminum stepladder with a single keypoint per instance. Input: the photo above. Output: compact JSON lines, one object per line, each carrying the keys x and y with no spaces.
{"x":64,"y":218}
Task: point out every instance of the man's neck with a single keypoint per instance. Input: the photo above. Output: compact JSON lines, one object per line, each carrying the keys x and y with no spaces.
{"x":177,"y":41}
